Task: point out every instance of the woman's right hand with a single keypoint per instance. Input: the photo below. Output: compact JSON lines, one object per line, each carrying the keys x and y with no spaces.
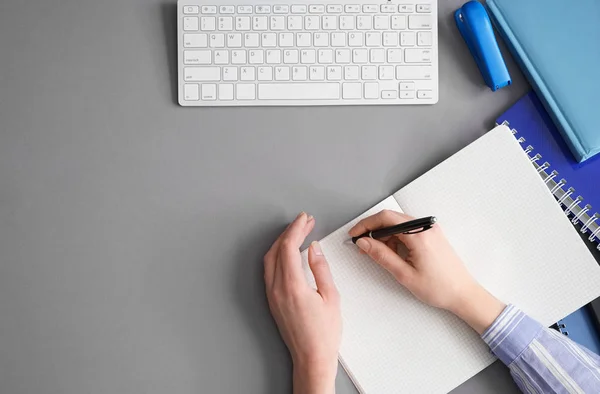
{"x":431,"y":270}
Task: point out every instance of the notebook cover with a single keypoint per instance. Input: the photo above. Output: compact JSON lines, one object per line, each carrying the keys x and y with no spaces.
{"x":532,"y":122}
{"x":556,"y":45}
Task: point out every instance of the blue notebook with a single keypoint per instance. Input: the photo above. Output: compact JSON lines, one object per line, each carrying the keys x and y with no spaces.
{"x":579,"y":182}
{"x":556,"y":45}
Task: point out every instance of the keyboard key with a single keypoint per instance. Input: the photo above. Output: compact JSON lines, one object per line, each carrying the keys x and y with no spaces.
{"x":371,"y":90}
{"x":321,"y":39}
{"x":338,"y":39}
{"x":244,"y":9}
{"x":351,"y":73}
{"x":251,"y":40}
{"x":299,"y":73}
{"x":381,"y":22}
{"x":311,"y":22}
{"x":227,"y":9}
{"x":424,"y":94}
{"x":263,"y":9}
{"x":334,"y":73}
{"x":195,"y":40}
{"x":364,"y":22}
{"x":390,"y":39}
{"x":217,"y":40}
{"x":282,"y":73}
{"x":386,"y":72}
{"x":273,"y":56}
{"x":416,"y":22}
{"x":286,"y":40}
{"x":225,"y":23}
{"x":222,"y":57}
{"x":352,"y":8}
{"x":398,"y":22}
{"x":406,"y":8}
{"x":197,"y":57}
{"x":269,"y":40}
{"x":209,"y":9}
{"x":277,"y":22}
{"x":281,"y":9}
{"x":245,"y":91}
{"x":329,"y":22}
{"x":359,"y":55}
{"x":191,"y":91}
{"x":394,"y":55}
{"x":346,"y":22}
{"x":352,"y":90}
{"x":355,"y":39}
{"x":407,"y":94}
{"x":407,"y":39}
{"x":209,"y":91}
{"x":191,"y":9}
{"x":317,"y":73}
{"x":373,"y":39}
{"x":265,"y":73}
{"x":247,"y":74}
{"x":294,"y":22}
{"x":259,"y":23}
{"x":290,"y":56}
{"x":234,"y":40}
{"x":370,"y":8}
{"x":238,"y":56}
{"x":325,"y":56}
{"x":342,"y":56}
{"x":242,"y":23}
{"x":389,"y":94}
{"x":423,"y":7}
{"x":308,"y":56}
{"x":303,"y":39}
{"x":388,"y":8}
{"x":415,"y":55}
{"x":334,"y":8}
{"x":200,"y":74}
{"x":369,"y":72}
{"x":230,"y":73}
{"x":377,"y":55}
{"x":424,"y":38}
{"x":299,"y":91}
{"x":407,"y":86}
{"x":414,"y":72}
{"x":190,"y":23}
{"x":299,"y":9}
{"x":226,"y":91}
{"x":208,"y":23}
{"x":256,"y":56}
{"x":316,"y":9}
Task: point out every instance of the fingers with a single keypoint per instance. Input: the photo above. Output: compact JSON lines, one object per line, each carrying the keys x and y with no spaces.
{"x":385,"y":218}
{"x":320,"y":269}
{"x":288,"y":265}
{"x":387,"y":258}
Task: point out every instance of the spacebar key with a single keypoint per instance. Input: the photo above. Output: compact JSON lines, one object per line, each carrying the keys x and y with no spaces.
{"x":299,"y":91}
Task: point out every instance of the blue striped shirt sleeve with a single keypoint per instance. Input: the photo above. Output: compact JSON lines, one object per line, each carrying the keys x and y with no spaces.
{"x":541,"y":360}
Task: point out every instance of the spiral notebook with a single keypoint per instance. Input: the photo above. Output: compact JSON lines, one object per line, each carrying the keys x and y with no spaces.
{"x":503,"y":222}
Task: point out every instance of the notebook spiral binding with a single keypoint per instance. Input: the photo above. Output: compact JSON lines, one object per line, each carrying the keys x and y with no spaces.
{"x":582,"y":216}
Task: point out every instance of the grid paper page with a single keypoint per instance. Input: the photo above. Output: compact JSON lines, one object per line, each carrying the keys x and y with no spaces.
{"x":391,"y":341}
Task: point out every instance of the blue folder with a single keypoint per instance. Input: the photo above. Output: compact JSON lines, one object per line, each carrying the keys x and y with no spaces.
{"x":556,"y":43}
{"x":531,"y":121}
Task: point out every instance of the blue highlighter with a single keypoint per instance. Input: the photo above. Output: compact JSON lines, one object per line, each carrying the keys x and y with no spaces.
{"x":476,"y":29}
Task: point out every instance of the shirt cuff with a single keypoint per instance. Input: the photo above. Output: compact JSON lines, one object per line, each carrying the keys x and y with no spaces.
{"x":511,"y":333}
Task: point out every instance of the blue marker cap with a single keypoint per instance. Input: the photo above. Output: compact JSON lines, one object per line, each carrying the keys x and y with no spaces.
{"x":476,"y":29}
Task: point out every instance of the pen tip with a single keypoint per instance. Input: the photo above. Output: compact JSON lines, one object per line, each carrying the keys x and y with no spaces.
{"x":348,"y":242}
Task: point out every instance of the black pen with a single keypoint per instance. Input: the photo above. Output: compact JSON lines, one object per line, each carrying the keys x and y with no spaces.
{"x":410,"y":227}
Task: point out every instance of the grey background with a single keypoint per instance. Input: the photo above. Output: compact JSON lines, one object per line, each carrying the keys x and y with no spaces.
{"x":132,"y":230}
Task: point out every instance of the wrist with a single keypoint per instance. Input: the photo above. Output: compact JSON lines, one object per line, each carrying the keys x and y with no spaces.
{"x":478,"y":308}
{"x":315,"y":378}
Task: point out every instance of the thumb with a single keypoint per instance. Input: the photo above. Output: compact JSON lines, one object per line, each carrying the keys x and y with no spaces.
{"x":387,"y":258}
{"x":320,"y":269}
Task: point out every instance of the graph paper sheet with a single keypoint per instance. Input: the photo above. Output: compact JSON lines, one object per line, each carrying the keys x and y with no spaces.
{"x":511,"y":234}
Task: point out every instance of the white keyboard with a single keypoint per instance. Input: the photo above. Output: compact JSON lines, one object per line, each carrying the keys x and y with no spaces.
{"x":255,"y":52}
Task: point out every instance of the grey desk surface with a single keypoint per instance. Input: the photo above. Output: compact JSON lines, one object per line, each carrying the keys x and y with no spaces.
{"x":132,"y":230}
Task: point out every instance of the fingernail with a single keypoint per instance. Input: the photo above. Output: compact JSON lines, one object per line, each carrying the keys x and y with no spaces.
{"x":300,"y":215}
{"x":310,"y":217}
{"x":363,"y":244}
{"x":316,"y":248}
